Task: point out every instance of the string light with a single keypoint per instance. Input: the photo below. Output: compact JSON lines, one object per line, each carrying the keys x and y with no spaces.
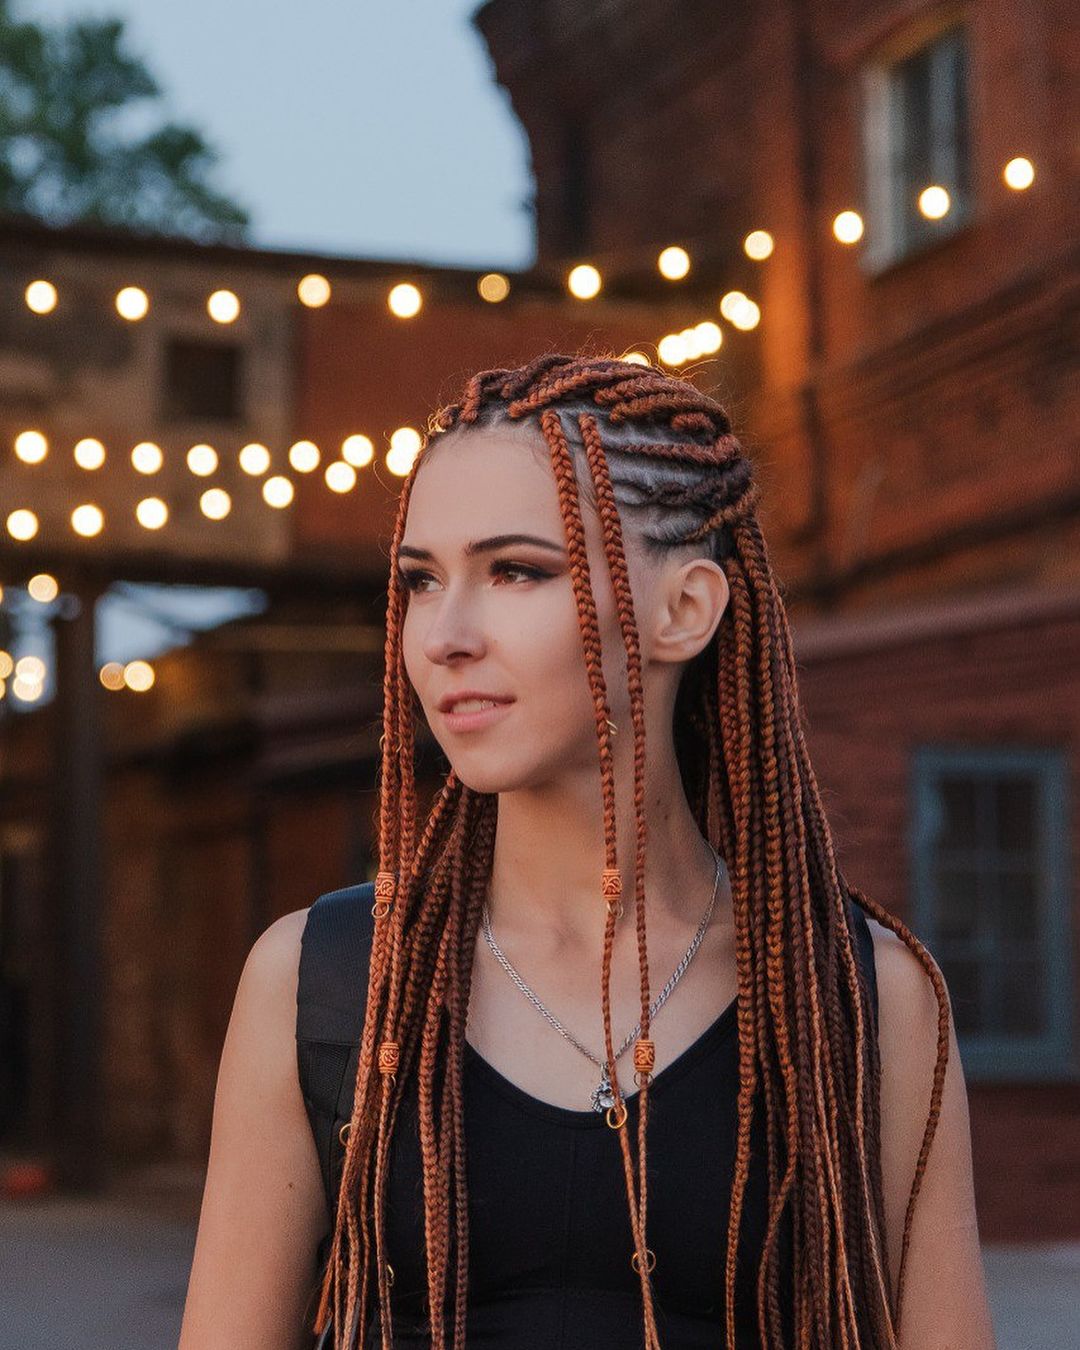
{"x":934,"y":202}
{"x":278,"y":491}
{"x":31,"y":447}
{"x":758,"y":245}
{"x":202,"y":460}
{"x":215,"y":503}
{"x":88,"y":520}
{"x":255,"y":459}
{"x":111,"y":675}
{"x":745,"y":315}
{"x":672,"y":349}
{"x":405,"y":445}
{"x":223,"y":306}
{"x":139,"y":676}
{"x":152,"y":513}
{"x":1019,"y":173}
{"x":340,"y":476}
{"x":357,"y":450}
{"x":304,"y":456}
{"x":89,"y":453}
{"x":7,"y":665}
{"x":710,"y":336}
{"x":22,"y":525}
{"x":848,"y":227}
{"x":313,"y":290}
{"x":146,"y":457}
{"x":405,"y":300}
{"x":674,"y":263}
{"x":730,"y":303}
{"x":132,"y":303}
{"x":41,"y":297}
{"x":43,"y":588}
{"x":636,"y":358}
{"x":27,"y":692}
{"x":584,"y":281}
{"x":31,"y":669}
{"x":493,"y":287}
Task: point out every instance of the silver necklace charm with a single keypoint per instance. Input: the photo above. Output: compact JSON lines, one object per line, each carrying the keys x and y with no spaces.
{"x":603,"y":1096}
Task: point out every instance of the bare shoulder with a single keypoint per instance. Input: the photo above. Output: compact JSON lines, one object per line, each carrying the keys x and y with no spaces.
{"x":944,"y":1291}
{"x":263,"y":1172}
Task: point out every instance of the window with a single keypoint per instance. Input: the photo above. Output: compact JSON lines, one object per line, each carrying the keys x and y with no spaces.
{"x":916,"y":131}
{"x":991,"y":901}
{"x":202,"y":381}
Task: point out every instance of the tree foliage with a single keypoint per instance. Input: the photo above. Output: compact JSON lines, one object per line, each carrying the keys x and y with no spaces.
{"x":66,"y":91}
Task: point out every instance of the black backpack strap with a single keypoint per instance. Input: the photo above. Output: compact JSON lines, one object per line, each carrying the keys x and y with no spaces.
{"x":335,"y":956}
{"x":864,"y":952}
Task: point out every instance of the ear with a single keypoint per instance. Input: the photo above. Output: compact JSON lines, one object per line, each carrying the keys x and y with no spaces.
{"x":690,"y":603}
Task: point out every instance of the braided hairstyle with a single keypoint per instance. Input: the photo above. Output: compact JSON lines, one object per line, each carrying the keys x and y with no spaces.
{"x":651,"y":450}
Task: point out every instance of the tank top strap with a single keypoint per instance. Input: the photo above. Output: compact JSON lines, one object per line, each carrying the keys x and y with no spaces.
{"x":331,"y":995}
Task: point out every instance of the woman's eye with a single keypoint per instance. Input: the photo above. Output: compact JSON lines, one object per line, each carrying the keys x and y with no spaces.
{"x":413,"y":578}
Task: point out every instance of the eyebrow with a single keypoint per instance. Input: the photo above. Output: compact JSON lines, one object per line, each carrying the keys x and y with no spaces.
{"x":484,"y":546}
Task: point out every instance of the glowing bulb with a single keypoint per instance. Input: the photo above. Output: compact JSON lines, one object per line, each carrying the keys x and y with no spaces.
{"x":146,"y":457}
{"x":278,"y":491}
{"x":132,"y":303}
{"x":691,"y":344}
{"x":404,"y":446}
{"x":636,"y":358}
{"x":43,"y":588}
{"x":405,"y":300}
{"x":1019,"y":173}
{"x":313,"y":290}
{"x":31,"y":669}
{"x":89,"y":453}
{"x":28,"y":693}
{"x":357,"y":450}
{"x":758,"y":245}
{"x":584,"y":281}
{"x":31,"y":447}
{"x":493,"y":287}
{"x":848,"y":227}
{"x":202,"y":460}
{"x":729,"y":304}
{"x":934,"y":202}
{"x":22,"y":525}
{"x":223,"y":306}
{"x":304,"y":456}
{"x":255,"y":459}
{"x":340,"y":477}
{"x":111,"y":675}
{"x":41,"y":297}
{"x":139,"y":676}
{"x":674,"y":263}
{"x":709,"y":336}
{"x":746,"y":316}
{"x":671,"y":350}
{"x":215,"y":503}
{"x":151,"y":513}
{"x":87,"y":520}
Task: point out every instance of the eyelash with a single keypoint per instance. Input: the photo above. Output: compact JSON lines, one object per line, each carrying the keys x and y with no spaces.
{"x":412,"y":576}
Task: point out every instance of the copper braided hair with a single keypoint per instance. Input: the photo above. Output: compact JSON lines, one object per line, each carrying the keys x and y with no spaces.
{"x":806,"y":1026}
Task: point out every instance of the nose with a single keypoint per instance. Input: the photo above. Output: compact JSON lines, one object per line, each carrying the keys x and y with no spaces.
{"x":452,"y":632}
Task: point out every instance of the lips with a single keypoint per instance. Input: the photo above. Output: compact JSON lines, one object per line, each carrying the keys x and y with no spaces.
{"x":449,"y":701}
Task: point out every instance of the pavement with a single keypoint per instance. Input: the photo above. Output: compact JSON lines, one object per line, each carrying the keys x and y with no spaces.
{"x":111,"y":1274}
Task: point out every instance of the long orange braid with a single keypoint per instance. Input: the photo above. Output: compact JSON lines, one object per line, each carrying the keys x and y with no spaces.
{"x":741,"y":749}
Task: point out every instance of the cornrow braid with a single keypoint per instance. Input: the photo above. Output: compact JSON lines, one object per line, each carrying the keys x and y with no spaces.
{"x":653,"y":456}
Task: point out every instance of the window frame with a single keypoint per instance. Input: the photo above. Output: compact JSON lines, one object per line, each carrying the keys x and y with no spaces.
{"x":1051,"y":1055}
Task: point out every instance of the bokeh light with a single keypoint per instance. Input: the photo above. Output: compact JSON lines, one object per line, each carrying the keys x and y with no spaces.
{"x":584,"y":281}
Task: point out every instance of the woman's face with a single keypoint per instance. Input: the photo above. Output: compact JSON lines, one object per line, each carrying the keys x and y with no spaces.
{"x":501,"y":618}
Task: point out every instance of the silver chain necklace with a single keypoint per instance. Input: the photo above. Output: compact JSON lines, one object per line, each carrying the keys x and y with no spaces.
{"x":603,"y":1096}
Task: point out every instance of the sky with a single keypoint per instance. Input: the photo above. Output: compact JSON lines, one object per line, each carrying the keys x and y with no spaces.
{"x":344,"y":127}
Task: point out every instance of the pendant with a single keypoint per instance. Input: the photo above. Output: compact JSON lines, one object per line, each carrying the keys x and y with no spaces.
{"x":603,"y":1097}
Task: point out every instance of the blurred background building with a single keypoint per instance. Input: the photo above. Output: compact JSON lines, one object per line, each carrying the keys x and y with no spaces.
{"x":853,"y":224}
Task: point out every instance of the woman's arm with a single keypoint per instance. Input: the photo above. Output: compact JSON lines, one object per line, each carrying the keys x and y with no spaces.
{"x":945,"y":1305}
{"x":263,"y":1209}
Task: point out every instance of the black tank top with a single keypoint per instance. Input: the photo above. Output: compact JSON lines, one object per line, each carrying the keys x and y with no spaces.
{"x":549,"y":1225}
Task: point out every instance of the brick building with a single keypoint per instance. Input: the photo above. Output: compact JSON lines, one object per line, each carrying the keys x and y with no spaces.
{"x":914,"y":407}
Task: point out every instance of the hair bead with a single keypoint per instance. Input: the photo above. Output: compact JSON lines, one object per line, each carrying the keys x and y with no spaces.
{"x":388,"y":1057}
{"x":644,"y":1055}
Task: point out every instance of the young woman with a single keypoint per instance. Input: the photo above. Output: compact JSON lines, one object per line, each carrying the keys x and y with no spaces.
{"x":625,"y":1059}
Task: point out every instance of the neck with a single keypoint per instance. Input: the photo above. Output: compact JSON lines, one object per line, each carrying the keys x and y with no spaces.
{"x":549,"y":854}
